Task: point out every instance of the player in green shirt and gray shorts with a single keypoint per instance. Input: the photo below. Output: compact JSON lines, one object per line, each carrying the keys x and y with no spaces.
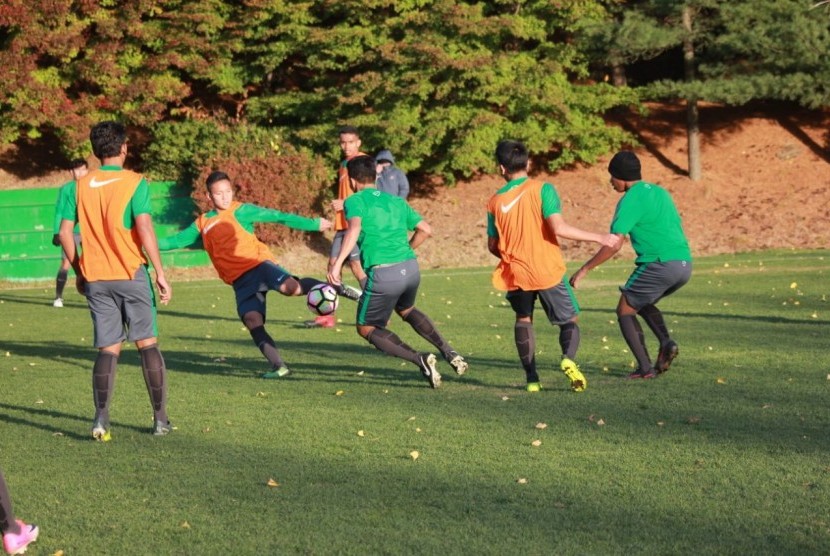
{"x":380,"y":224}
{"x":648,"y":215}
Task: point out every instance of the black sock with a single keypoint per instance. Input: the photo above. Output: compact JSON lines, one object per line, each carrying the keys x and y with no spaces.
{"x":569,"y":337}
{"x":155,"y":377}
{"x":267,"y":346}
{"x":7,"y":521}
{"x":425,"y":328}
{"x":525,"y":339}
{"x":389,"y":343}
{"x":308,"y":283}
{"x":60,"y":282}
{"x":103,"y":384}
{"x":654,"y":320}
{"x":633,"y":334}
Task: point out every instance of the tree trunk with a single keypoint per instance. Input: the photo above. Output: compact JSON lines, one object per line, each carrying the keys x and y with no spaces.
{"x":692,"y":119}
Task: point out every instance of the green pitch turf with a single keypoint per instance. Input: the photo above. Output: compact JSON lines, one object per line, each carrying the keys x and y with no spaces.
{"x":354,"y":454}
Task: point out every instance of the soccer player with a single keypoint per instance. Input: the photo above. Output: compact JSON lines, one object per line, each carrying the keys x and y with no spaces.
{"x":78,"y":168}
{"x":379,"y":223}
{"x":350,"y":146}
{"x":524,"y":224}
{"x":244,"y":262}
{"x":648,"y":215}
{"x":17,"y":536}
{"x":112,"y":206}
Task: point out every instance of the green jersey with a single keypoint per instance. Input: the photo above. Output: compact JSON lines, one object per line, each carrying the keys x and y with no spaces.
{"x":647,"y":214}
{"x":385,"y":223}
{"x":64,"y":193}
{"x":550,"y":203}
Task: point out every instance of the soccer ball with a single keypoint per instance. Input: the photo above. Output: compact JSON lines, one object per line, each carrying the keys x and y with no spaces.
{"x":322,"y":299}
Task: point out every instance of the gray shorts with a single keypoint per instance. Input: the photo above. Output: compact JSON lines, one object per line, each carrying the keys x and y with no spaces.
{"x":77,"y":248}
{"x":122,"y":309}
{"x":337,"y":244}
{"x":251,"y":287}
{"x":558,"y":302}
{"x":651,"y":282}
{"x":388,"y":288}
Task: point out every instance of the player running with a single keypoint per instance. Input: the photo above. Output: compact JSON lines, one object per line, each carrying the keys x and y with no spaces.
{"x":244,"y":262}
{"x":648,"y":215}
{"x":524,"y":223}
{"x":379,"y":223}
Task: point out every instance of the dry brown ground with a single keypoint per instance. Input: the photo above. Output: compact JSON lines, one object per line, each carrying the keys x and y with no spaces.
{"x":766,"y":184}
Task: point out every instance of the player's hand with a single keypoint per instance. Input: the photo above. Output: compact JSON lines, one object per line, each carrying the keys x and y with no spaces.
{"x":80,"y":284}
{"x":334,"y":275}
{"x":337,"y":205}
{"x":614,"y":241}
{"x":165,"y":291}
{"x":325,"y":224}
{"x":56,"y":240}
{"x":577,"y":276}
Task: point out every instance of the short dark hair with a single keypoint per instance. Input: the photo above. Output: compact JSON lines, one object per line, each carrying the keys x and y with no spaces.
{"x":107,"y":139}
{"x":349,"y":129}
{"x":76,"y":163}
{"x":215,"y":177}
{"x":362,"y":169}
{"x":512,"y":155}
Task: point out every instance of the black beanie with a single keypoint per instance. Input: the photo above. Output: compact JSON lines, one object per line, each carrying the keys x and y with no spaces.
{"x":625,"y":166}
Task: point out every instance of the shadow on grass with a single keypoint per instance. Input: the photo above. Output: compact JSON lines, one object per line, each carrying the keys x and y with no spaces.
{"x":39,"y":419}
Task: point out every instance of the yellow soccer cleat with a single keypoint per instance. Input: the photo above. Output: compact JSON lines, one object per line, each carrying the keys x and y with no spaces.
{"x":571,"y":370}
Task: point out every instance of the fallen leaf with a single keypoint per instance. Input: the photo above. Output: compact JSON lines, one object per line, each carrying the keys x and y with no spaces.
{"x":411,"y":418}
{"x":261,"y":395}
{"x":660,"y":423}
{"x":504,"y":398}
{"x":360,"y":373}
{"x":417,"y":429}
{"x":694,"y":420}
{"x":185,"y":525}
{"x":794,"y":285}
{"x":541,"y":426}
{"x":522,"y":481}
{"x":59,"y":552}
{"x":721,"y":380}
{"x":361,"y":433}
{"x":339,"y":393}
{"x":57,"y":434}
{"x":272,"y":483}
{"x":536,"y":443}
{"x":414,"y":454}
{"x":601,"y":422}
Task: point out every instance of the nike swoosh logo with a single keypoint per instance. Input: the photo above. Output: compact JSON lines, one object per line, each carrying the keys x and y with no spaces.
{"x":207,"y":228}
{"x":506,"y":208}
{"x":95,"y":183}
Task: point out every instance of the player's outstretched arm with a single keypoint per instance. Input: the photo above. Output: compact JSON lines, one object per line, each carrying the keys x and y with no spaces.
{"x":144,"y":227}
{"x":422,"y":231}
{"x":599,"y":257}
{"x":558,"y":226}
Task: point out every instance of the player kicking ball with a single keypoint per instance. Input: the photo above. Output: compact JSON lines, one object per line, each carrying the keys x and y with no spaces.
{"x":379,"y":223}
{"x":244,"y":262}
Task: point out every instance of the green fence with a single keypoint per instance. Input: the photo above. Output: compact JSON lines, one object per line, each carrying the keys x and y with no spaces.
{"x":27,"y":217}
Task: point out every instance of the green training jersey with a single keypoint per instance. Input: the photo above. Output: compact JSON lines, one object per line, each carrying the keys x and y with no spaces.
{"x":385,"y":223}
{"x":550,"y":203}
{"x":139,"y":204}
{"x":64,"y":193}
{"x":647,"y":214}
{"x":247,"y":215}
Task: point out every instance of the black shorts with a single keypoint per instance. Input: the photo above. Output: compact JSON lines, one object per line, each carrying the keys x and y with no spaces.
{"x":251,"y":287}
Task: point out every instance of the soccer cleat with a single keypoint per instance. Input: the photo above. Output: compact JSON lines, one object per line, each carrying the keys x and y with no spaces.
{"x":534,"y":387}
{"x":162,"y":428}
{"x":18,"y":543}
{"x":651,"y":373}
{"x":456,"y":362}
{"x":277,"y":373}
{"x":571,"y":370}
{"x":349,"y":292}
{"x":101,"y":431}
{"x":667,"y":354}
{"x":323,"y":321}
{"x":426,"y":362}
{"x":58,"y":302}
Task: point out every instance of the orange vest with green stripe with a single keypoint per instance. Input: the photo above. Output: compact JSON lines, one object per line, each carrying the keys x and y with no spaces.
{"x":530,"y":255}
{"x":111,"y":251}
{"x":344,"y":191}
{"x":232,"y":249}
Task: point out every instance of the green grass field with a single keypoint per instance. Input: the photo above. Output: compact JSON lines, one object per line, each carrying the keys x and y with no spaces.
{"x":725,"y":454}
